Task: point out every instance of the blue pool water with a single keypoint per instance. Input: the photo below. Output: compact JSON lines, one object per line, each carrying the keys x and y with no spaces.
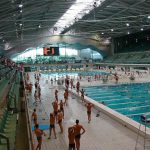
{"x":131,"y":100}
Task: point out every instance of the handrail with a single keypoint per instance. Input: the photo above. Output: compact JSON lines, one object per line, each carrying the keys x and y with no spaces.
{"x":12,"y":95}
{"x":7,"y":140}
{"x":31,"y":144}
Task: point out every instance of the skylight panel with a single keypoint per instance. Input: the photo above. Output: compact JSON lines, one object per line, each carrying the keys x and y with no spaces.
{"x":74,"y":13}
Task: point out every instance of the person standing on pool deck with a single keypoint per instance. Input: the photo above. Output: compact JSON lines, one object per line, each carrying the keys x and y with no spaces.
{"x":52,"y":125}
{"x":78,"y":87}
{"x":60,"y":118}
{"x":61,"y":107}
{"x":89,"y":108}
{"x":35,"y":96}
{"x":82,"y":95}
{"x":39,"y":134}
{"x":66,"y":94}
{"x":71,"y":137}
{"x":71,"y":83}
{"x":55,"y":107}
{"x":34,"y":117}
{"x":56,"y":95}
{"x":77,"y":129}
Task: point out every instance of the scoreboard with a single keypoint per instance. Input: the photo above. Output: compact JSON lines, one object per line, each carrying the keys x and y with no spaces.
{"x":51,"y":51}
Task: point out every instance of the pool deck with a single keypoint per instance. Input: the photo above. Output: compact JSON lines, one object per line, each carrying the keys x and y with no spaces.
{"x":103,"y":133}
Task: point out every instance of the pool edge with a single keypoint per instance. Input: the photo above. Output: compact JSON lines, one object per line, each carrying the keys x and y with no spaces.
{"x":125,"y":121}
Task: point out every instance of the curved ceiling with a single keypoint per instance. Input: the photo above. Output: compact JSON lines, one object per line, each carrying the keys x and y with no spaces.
{"x":21,"y":21}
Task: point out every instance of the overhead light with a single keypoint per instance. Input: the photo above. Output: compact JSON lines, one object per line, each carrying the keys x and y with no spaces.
{"x":39,"y":26}
{"x":102,"y":32}
{"x":98,"y":3}
{"x":76,"y":19}
{"x":71,"y":23}
{"x":112,"y":30}
{"x":127,"y":24}
{"x":142,"y":29}
{"x":128,"y":32}
{"x":21,"y":11}
{"x":20,"y":5}
{"x":148,"y":17}
{"x":136,"y":40}
{"x":80,"y":16}
{"x":87,"y":11}
{"x":20,"y":24}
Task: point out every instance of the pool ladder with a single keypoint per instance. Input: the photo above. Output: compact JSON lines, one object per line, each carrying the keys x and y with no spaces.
{"x":145,"y":138}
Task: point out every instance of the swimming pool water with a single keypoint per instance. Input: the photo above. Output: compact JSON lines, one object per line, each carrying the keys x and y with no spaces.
{"x":131,"y":100}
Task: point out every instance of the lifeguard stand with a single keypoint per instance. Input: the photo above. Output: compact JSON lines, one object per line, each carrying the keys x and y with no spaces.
{"x":144,"y":121}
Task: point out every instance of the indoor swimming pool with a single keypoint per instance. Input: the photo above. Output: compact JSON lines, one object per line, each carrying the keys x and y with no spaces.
{"x":73,"y":74}
{"x":131,"y":100}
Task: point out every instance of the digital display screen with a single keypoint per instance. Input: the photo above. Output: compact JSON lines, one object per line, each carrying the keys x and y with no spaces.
{"x":51,"y":51}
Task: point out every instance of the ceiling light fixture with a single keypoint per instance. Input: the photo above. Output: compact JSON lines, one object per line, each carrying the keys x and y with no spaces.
{"x":112,"y":30}
{"x":20,"y":5}
{"x":142,"y":29}
{"x":71,"y":23}
{"x":39,"y":26}
{"x":128,"y":32}
{"x":127,"y":24}
{"x":148,"y":17}
{"x":77,"y":10}
{"x":87,"y":11}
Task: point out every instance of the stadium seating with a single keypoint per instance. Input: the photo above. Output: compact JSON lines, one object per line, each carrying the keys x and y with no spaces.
{"x":132,"y":57}
{"x":8,"y":115}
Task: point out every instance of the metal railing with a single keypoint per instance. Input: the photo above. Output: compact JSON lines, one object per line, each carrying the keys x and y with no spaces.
{"x":30,"y":138}
{"x":7,"y":140}
{"x":13,"y":97}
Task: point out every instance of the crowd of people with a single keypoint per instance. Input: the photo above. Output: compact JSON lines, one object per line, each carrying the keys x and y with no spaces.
{"x":9,"y":63}
{"x":57,"y":115}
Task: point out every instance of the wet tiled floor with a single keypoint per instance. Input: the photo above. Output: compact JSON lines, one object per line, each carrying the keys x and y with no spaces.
{"x":103,"y":133}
